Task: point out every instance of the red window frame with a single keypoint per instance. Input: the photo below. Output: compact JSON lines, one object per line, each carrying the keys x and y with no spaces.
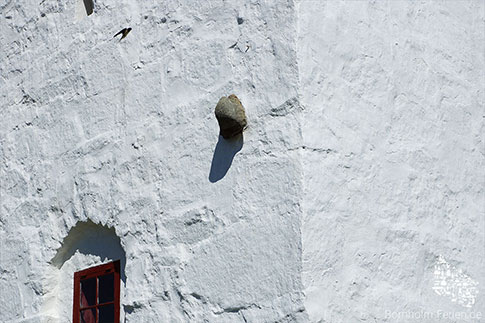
{"x":101,"y":270}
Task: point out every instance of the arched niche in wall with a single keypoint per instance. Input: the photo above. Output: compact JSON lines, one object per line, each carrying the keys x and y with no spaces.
{"x":89,"y":238}
{"x":86,"y":245}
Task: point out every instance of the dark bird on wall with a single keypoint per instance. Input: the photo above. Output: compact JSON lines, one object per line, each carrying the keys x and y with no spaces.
{"x":124,"y":32}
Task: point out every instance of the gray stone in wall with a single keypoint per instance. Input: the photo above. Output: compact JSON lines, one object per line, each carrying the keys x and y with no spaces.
{"x":231,"y":116}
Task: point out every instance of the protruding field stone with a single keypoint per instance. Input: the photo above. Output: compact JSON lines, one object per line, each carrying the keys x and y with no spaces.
{"x":231,"y":116}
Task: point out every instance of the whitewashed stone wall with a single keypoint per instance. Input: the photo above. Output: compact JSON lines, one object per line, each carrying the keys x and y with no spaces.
{"x":361,"y":166}
{"x":393,"y":163}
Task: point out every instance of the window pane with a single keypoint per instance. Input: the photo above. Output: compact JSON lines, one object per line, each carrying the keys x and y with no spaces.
{"x":88,"y":292}
{"x":107,"y":314}
{"x":88,"y":316}
{"x":106,"y":288}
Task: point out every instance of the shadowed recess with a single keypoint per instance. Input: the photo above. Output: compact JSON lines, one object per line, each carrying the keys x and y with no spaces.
{"x":90,"y":238}
{"x":89,"y":6}
{"x":223,"y":156}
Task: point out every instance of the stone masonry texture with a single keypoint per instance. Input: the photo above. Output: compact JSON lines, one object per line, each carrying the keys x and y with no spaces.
{"x":359,"y":180}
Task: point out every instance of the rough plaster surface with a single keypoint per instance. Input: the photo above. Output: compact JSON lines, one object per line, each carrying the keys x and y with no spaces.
{"x":393,"y":162}
{"x":362,"y":165}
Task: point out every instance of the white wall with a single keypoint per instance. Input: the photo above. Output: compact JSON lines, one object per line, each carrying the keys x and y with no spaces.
{"x":393,"y":93}
{"x":124,"y":134}
{"x":361,"y":165}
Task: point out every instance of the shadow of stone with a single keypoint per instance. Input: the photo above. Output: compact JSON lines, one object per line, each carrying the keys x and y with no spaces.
{"x":90,"y":238}
{"x":223,"y":156}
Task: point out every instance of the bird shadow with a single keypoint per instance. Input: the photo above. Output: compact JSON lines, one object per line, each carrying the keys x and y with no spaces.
{"x":224,"y":153}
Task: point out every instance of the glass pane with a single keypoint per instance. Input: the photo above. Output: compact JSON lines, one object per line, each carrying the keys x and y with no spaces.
{"x":88,"y":316}
{"x":106,"y":288}
{"x":107,"y":314}
{"x":88,"y":292}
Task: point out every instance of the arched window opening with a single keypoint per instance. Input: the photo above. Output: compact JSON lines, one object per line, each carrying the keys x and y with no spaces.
{"x":97,"y":294}
{"x":92,"y":254}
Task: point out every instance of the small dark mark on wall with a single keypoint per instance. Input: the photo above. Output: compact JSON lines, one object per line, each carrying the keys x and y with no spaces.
{"x":27,"y":99}
{"x":89,"y":6}
{"x":123,"y":32}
